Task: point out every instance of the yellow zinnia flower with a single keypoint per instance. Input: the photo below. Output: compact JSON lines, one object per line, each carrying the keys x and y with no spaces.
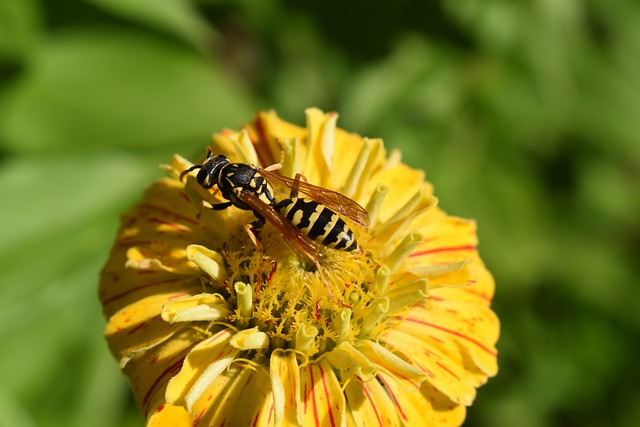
{"x":214,"y":326}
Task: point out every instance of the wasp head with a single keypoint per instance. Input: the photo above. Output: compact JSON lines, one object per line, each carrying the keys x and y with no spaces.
{"x":209,"y":171}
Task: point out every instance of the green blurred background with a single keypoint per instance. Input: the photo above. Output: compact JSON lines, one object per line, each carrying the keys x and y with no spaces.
{"x":525,"y":116}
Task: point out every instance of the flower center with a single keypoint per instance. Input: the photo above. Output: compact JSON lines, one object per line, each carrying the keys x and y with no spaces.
{"x":295,"y":305}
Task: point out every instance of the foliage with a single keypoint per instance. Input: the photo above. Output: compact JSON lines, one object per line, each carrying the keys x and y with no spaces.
{"x":523,"y":114}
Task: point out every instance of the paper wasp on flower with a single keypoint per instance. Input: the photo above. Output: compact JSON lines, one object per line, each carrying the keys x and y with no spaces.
{"x":306,"y":223}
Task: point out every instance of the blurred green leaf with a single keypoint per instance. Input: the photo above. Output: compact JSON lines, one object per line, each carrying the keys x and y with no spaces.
{"x":378,"y":91}
{"x":522,"y":114}
{"x":56,"y":242}
{"x":12,"y":412}
{"x":20,"y":28}
{"x":93,"y":88}
{"x":51,"y":193}
{"x":176,"y":17}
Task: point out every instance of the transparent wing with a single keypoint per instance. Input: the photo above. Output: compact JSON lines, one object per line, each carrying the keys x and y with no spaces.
{"x":337,"y":202}
{"x":300,"y":243}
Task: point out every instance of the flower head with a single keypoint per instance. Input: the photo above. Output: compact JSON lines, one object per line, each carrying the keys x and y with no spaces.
{"x":216,"y":323}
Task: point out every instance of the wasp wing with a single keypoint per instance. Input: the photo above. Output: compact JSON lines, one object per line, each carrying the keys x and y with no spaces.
{"x":337,"y":202}
{"x":300,"y":243}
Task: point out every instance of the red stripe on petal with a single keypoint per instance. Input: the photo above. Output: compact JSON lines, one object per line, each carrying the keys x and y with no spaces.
{"x":479,"y":294}
{"x":456,"y":333}
{"x":171,"y":369}
{"x":176,"y":296}
{"x":197,"y":419}
{"x":271,"y":411}
{"x":175,"y":226}
{"x":313,"y":398}
{"x":395,"y":400}
{"x":137,"y":288}
{"x":445,"y":249}
{"x":326,"y":391}
{"x":373,"y":405}
{"x":168,"y":212}
{"x":447,"y":369}
{"x":263,"y":142}
{"x":140,"y":326}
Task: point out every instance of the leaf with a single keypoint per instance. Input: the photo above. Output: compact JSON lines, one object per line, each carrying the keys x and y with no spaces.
{"x":90,"y":88}
{"x":173,"y":16}
{"x":414,"y":68}
{"x":49,"y":195}
{"x":19,"y":27}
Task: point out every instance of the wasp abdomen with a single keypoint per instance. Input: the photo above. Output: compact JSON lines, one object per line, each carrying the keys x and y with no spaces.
{"x":318,"y":223}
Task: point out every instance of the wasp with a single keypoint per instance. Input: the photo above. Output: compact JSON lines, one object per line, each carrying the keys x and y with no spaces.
{"x":307,"y":223}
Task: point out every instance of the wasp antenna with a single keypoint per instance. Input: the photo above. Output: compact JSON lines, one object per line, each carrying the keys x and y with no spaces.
{"x":209,"y":152}
{"x":192,"y":168}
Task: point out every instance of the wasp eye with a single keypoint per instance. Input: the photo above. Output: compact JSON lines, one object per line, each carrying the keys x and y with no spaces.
{"x":202,"y":178}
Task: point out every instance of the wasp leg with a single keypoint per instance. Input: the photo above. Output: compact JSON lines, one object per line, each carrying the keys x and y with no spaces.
{"x":248,"y":228}
{"x":258,"y":223}
{"x":326,"y":285}
{"x":273,"y":167}
{"x":296,"y":187}
{"x":203,"y":205}
{"x":221,"y":206}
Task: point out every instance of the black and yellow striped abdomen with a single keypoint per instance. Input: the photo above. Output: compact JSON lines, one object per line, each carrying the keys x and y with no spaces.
{"x":318,"y":222}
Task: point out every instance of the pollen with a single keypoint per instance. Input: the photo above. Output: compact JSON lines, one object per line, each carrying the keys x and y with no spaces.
{"x":289,"y":295}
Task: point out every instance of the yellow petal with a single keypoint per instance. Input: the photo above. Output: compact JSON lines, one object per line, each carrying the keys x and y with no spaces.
{"x":403,"y":218}
{"x":321,"y":129}
{"x":472,"y":326}
{"x":411,"y":406}
{"x":244,"y":148}
{"x":200,"y":368}
{"x":349,"y":359}
{"x":250,"y":339}
{"x":453,"y":274}
{"x":211,"y":262}
{"x":118,"y":289}
{"x":404,"y":373}
{"x":285,"y":383}
{"x":265,"y":131}
{"x":240,"y":396}
{"x":370,"y":158}
{"x":164,"y":199}
{"x":406,"y":295}
{"x":438,"y":270}
{"x":160,"y":255}
{"x":370,"y":405}
{"x":445,"y":412}
{"x":445,"y":374}
{"x":254,"y":405}
{"x":480,"y":293}
{"x":138,"y":327}
{"x":169,"y":415}
{"x":200,"y":307}
{"x":150,"y":374}
{"x":214,"y":407}
{"x":322,"y":401}
{"x":403,"y":183}
{"x":447,"y":239}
